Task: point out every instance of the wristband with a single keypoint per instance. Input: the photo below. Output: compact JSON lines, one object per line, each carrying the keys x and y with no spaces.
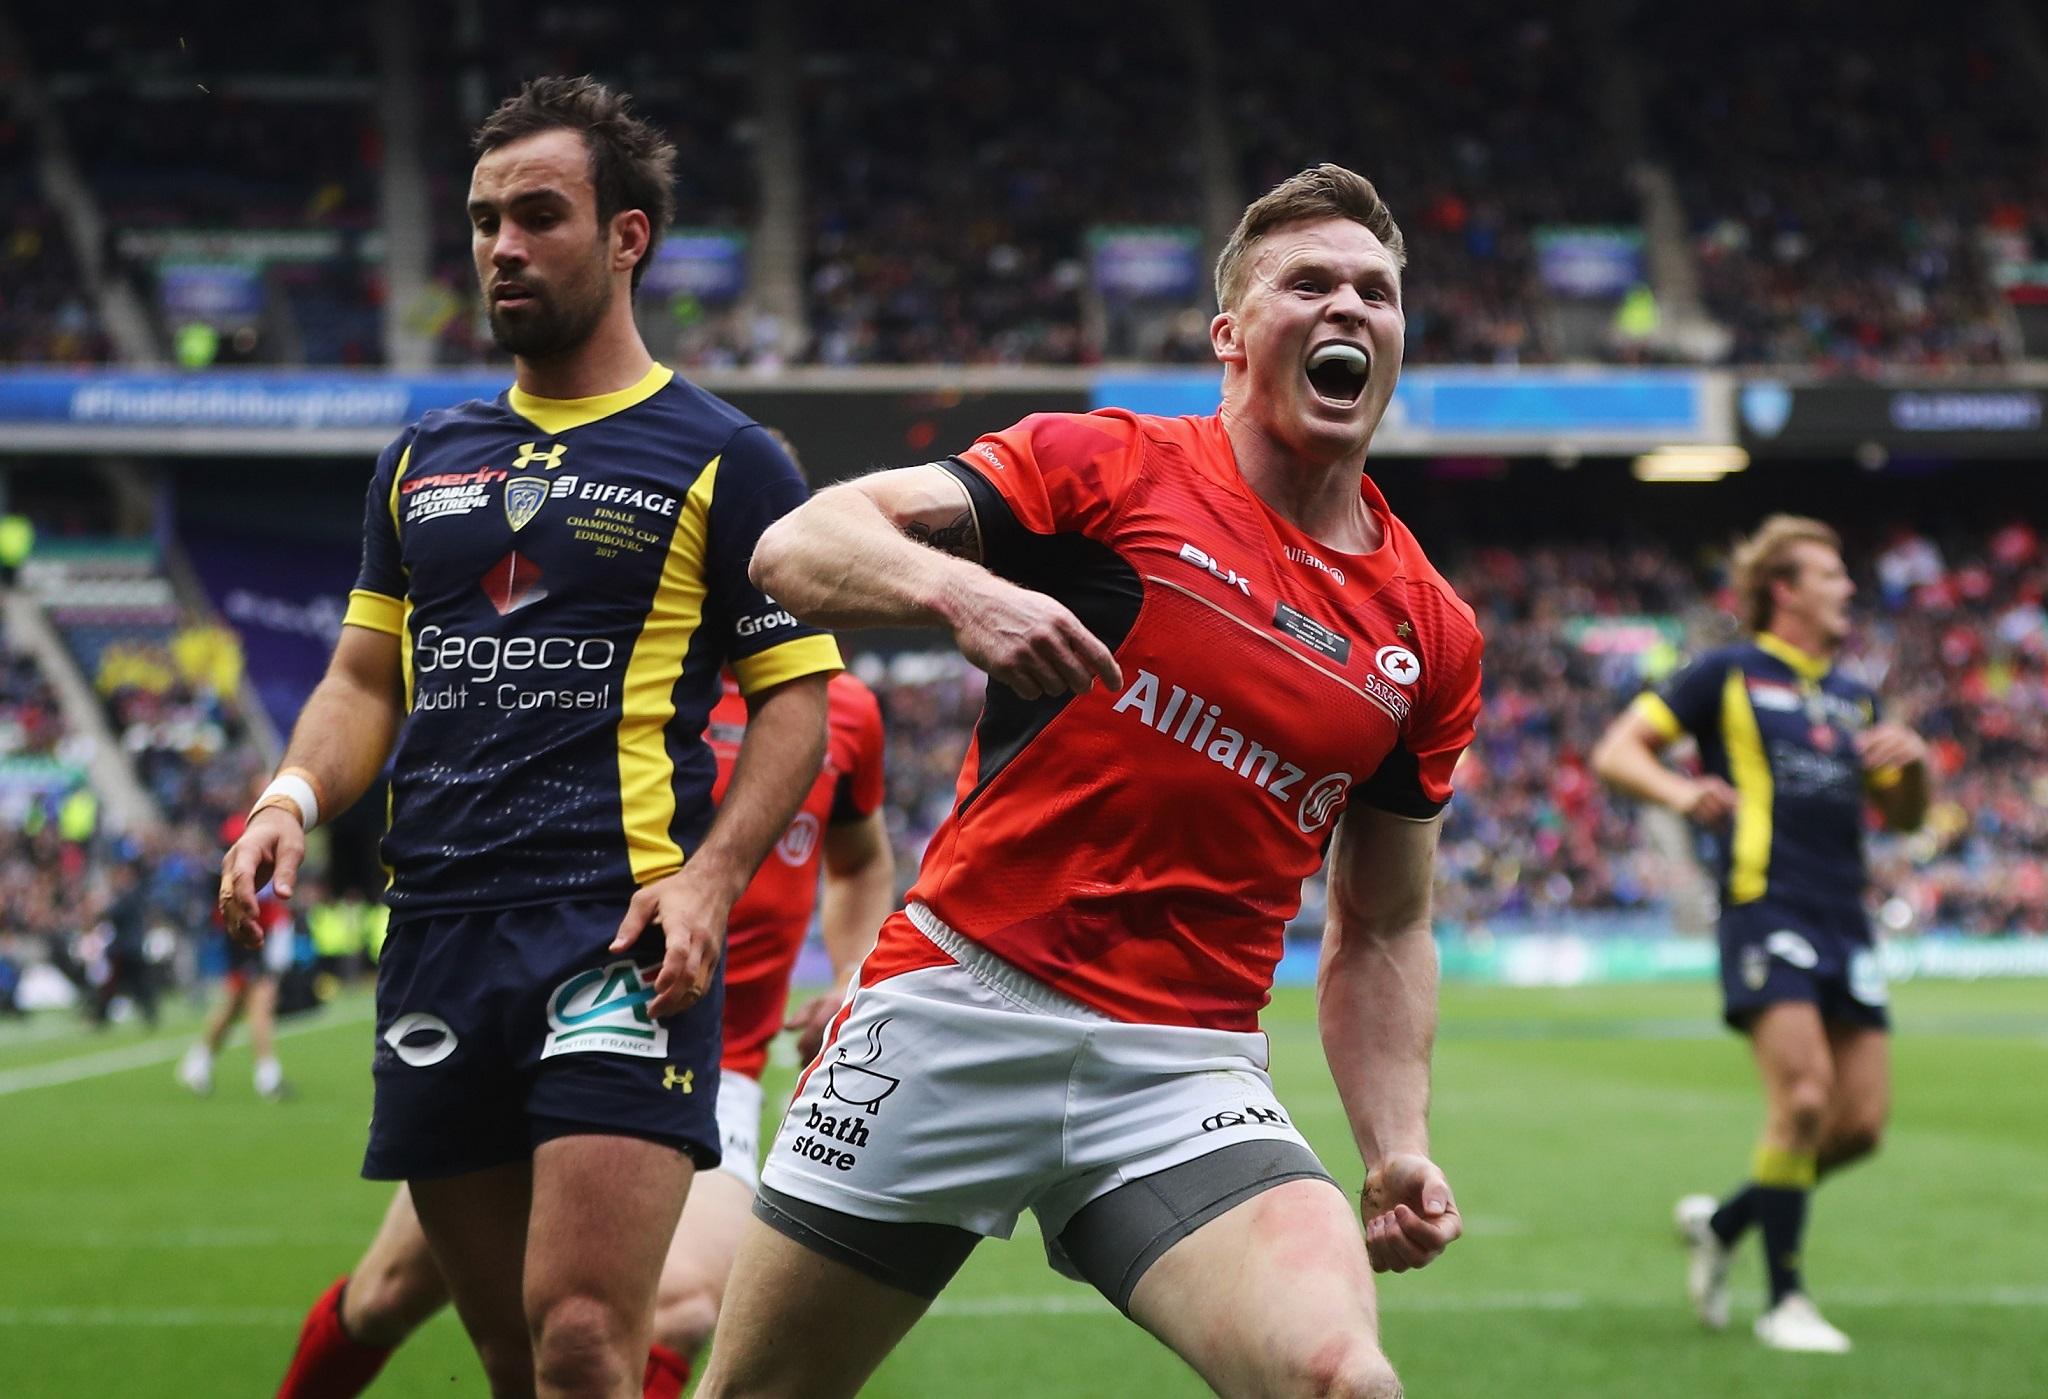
{"x":293,"y":786}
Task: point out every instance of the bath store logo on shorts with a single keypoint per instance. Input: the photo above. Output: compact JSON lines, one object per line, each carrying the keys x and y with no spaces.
{"x":604,"y":1011}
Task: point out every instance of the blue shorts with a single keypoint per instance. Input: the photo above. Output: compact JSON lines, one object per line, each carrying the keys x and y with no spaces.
{"x":1774,"y":951}
{"x":502,"y":1030}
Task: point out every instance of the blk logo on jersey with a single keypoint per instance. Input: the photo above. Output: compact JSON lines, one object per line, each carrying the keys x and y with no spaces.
{"x":1229,"y":577}
{"x":604,"y":1011}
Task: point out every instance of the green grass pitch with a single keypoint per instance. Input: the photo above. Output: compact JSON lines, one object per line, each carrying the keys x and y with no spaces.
{"x":156,"y":1245}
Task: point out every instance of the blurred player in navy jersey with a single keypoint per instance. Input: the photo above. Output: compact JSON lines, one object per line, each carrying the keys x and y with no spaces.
{"x":1218,"y":656}
{"x":551,"y":583}
{"x":1792,"y":748}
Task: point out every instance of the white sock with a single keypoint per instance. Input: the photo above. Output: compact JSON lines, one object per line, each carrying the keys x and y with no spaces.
{"x":269,"y":1074}
{"x":199,"y":1057}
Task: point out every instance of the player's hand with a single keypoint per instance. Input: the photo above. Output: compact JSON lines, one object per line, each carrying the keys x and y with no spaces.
{"x":811,"y":1019}
{"x":1031,"y":643}
{"x":269,"y":852}
{"x":1884,"y":746}
{"x":1410,"y":1216}
{"x":694,"y":927}
{"x":1713,"y":802}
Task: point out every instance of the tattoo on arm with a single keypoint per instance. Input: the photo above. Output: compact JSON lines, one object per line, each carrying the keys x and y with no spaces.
{"x":957,"y":537}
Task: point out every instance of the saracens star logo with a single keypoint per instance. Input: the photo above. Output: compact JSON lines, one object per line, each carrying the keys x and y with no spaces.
{"x":1398,"y":664}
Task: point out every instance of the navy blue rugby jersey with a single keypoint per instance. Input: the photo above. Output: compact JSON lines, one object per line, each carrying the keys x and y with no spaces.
{"x":1780,"y":727}
{"x":565,"y":579}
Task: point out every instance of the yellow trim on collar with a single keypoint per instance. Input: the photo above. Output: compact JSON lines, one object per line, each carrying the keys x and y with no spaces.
{"x":1804,"y":666}
{"x":554,"y":416}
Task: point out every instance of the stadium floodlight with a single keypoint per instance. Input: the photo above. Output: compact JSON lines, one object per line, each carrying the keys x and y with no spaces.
{"x":1690,"y":463}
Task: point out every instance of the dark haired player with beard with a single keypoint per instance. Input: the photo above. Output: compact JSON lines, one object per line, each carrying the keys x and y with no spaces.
{"x":551,"y":583}
{"x":1065,"y":1017}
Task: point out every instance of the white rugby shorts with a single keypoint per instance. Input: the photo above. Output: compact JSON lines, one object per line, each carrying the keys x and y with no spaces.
{"x":968,"y":1092}
{"x":739,"y":1127}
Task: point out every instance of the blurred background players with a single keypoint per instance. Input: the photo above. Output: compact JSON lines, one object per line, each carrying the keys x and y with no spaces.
{"x":352,"y":1329}
{"x":1792,"y":748}
{"x":254,"y":973}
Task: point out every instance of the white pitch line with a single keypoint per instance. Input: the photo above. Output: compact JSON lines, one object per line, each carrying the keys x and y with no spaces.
{"x":141,"y":1056}
{"x":1079,"y":1303}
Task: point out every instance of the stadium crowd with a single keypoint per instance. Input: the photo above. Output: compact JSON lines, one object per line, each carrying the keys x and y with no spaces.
{"x":1851,"y":201}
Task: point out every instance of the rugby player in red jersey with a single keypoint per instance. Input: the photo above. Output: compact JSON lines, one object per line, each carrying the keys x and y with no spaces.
{"x":359,"y":1321}
{"x":1065,"y":1017}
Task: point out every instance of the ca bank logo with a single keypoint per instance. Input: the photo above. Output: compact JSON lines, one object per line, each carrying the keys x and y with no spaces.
{"x":524,"y":496}
{"x":1766,"y":407}
{"x":604,"y":1011}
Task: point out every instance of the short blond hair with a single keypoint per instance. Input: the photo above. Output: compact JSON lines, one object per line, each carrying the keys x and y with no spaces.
{"x":1765,"y":557}
{"x":1321,"y":192}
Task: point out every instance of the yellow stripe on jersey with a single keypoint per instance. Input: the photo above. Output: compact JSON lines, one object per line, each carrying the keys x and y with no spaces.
{"x":557,"y":415}
{"x":647,"y":791}
{"x":374,"y":611}
{"x":792,"y":660}
{"x":1749,"y":864}
{"x":405,"y":654}
{"x":1657,"y":714}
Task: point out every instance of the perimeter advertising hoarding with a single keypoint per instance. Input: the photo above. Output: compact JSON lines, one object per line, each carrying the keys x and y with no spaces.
{"x":1776,"y":418}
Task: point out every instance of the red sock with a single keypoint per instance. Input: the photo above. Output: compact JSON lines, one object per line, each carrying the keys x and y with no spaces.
{"x":330,"y":1363}
{"x":666,"y":1375}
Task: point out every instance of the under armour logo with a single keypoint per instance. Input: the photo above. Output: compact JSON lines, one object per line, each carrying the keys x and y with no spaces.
{"x":686,"y":1080}
{"x":530,"y":452}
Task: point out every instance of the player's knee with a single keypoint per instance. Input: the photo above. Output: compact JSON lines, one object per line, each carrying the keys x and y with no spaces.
{"x":579,"y":1345}
{"x":685,"y":1314}
{"x":1804,"y":1104}
{"x":1347,"y":1367}
{"x":387,"y":1301}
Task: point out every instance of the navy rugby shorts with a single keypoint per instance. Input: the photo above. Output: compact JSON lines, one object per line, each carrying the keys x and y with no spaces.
{"x":499,"y":1031}
{"x":1773,"y":950}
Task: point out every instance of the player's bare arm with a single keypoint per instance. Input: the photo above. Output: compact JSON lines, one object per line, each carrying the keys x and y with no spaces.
{"x":1376,"y":1009}
{"x":341,"y":742}
{"x":858,"y":893}
{"x":1626,"y":759}
{"x":1895,"y":765}
{"x":778,"y":760}
{"x":901,"y":548}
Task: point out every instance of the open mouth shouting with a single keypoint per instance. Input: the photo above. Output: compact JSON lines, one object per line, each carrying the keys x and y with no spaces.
{"x":1338,"y":371}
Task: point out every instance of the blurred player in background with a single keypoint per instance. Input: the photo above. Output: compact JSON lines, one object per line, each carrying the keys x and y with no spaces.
{"x":1065,"y":1017}
{"x":1792,"y":749}
{"x":551,"y":583}
{"x":354,"y":1327}
{"x":254,"y":970}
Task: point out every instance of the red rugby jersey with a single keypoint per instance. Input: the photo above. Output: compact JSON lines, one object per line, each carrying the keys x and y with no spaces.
{"x":768,"y":923}
{"x":1142,"y":850}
